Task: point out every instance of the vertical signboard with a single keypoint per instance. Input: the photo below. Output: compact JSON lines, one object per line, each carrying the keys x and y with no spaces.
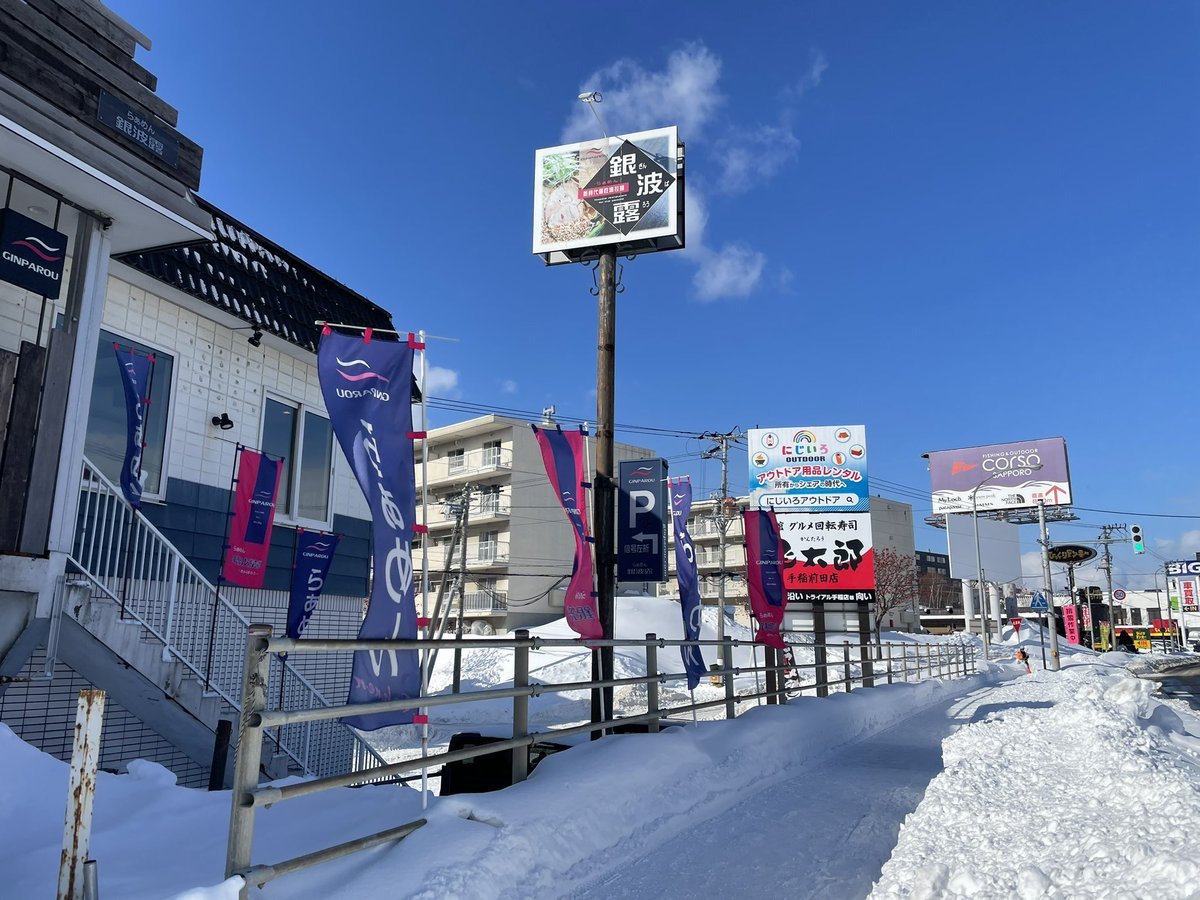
{"x":642,"y":520}
{"x":815,"y":479}
{"x":253,"y":515}
{"x":1186,"y":574}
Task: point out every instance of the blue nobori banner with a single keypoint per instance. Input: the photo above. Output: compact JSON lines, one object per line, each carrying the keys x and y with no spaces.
{"x":136,"y":371}
{"x":685,"y":571}
{"x":367,"y":386}
{"x":815,"y":469}
{"x":314,"y":553}
{"x":642,"y":520}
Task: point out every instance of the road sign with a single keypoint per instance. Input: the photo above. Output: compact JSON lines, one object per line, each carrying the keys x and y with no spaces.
{"x":1119,"y":595}
{"x":1016,"y":623}
{"x":1039,"y":602}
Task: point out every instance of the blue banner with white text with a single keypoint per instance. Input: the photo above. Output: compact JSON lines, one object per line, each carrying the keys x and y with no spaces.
{"x":367,"y":386}
{"x":314,"y":553}
{"x":136,"y":370}
{"x":685,"y":570}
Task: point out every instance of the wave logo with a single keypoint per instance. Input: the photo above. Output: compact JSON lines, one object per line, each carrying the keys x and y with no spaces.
{"x":321,"y":546}
{"x":804,"y":436}
{"x":678,"y":499}
{"x":39,"y":248}
{"x":643,"y":471}
{"x":358,"y":376}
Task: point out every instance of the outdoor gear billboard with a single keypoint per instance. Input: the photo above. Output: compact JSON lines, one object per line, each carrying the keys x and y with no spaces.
{"x":622,"y":190}
{"x":815,"y":479}
{"x":1000,"y":476}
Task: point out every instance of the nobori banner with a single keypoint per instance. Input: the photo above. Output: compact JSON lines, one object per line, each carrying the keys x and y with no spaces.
{"x":809,"y":469}
{"x":624,"y":190}
{"x":642,"y":520}
{"x":366,"y":384}
{"x":1001,"y":476}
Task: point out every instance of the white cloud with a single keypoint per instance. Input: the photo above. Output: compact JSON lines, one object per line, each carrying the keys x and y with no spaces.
{"x":811,"y":78}
{"x":1183,"y":547}
{"x":634,"y":99}
{"x":733,"y":271}
{"x":508,"y":386}
{"x":755,"y":156}
{"x":441,"y":382}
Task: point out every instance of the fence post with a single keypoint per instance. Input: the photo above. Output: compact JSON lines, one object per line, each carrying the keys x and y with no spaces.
{"x":904,"y":661}
{"x":249,"y":751}
{"x":730,"y":705}
{"x":520,"y":755}
{"x":889,"y":661}
{"x":770,"y":661}
{"x":652,"y":679}
{"x":846,"y":665}
{"x":168,"y":639}
{"x":77,"y":828}
{"x":216,"y":772}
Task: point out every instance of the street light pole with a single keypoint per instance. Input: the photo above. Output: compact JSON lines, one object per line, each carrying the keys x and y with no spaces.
{"x":984,"y":612}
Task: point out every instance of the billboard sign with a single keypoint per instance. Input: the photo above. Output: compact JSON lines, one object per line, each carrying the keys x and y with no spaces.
{"x":32,"y":255}
{"x":1071,"y":554}
{"x":828,"y":557}
{"x":622,"y":190}
{"x":642,"y":513}
{"x":1183,"y":567}
{"x":1000,"y":476}
{"x":821,"y":469}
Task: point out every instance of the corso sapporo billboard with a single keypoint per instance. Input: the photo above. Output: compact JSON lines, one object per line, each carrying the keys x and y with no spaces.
{"x":1000,"y":476}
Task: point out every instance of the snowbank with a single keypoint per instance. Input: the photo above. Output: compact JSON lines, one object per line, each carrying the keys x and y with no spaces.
{"x":1080,"y":784}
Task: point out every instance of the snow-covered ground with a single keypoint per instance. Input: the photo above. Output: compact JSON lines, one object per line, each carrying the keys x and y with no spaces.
{"x":1078,"y":783}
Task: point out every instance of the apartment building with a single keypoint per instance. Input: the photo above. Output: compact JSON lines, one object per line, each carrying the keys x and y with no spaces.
{"x":519,"y":545}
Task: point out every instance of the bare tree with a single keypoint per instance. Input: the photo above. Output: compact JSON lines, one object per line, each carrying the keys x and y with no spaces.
{"x":895,"y":583}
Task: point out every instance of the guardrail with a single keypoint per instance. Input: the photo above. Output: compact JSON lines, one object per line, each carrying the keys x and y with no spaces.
{"x":782,"y":682}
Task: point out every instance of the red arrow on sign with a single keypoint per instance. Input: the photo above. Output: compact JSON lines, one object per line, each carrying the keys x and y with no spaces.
{"x":1016,"y":623}
{"x":1056,"y":494}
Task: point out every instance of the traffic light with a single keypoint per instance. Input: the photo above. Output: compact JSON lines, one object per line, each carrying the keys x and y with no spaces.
{"x":1135,"y":535}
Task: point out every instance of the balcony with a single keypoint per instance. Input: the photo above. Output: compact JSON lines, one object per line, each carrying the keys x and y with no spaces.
{"x":484,"y":508}
{"x":484,"y":603}
{"x":462,"y":467}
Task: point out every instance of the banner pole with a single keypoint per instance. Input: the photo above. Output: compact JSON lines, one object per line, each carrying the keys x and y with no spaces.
{"x":598,"y":710}
{"x":425,"y":565}
{"x":212,"y":628}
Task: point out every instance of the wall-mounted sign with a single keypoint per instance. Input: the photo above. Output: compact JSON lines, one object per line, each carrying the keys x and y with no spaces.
{"x":31,"y":255}
{"x":1071,"y":554}
{"x":621,"y":190}
{"x":1184,"y":567}
{"x":137,"y":127}
{"x":642,"y":514}
{"x":1001,"y":476}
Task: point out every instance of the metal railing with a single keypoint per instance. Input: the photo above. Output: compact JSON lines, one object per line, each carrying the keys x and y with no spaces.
{"x":833,"y":668}
{"x":484,"y":602}
{"x":131,"y":563}
{"x":471,"y":463}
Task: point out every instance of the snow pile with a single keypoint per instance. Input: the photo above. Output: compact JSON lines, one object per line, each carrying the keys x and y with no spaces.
{"x":1078,"y":784}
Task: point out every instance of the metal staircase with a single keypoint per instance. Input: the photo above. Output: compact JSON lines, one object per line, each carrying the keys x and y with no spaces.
{"x":137,"y":578}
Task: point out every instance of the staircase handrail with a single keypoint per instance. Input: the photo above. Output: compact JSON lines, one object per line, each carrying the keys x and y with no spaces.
{"x":90,"y":477}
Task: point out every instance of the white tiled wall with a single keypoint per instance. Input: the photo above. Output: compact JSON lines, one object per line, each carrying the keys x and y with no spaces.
{"x":216,"y":371}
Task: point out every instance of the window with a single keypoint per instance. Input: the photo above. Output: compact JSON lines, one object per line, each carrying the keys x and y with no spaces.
{"x":304,"y":440}
{"x":489,"y":544}
{"x":457,"y":459}
{"x":107,"y":429}
{"x":491,"y":453}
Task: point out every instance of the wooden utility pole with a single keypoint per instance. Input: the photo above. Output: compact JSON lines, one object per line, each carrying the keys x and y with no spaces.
{"x":604,"y":504}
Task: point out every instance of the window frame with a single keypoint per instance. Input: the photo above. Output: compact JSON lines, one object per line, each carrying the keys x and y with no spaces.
{"x":160,"y":495}
{"x":295,"y":461}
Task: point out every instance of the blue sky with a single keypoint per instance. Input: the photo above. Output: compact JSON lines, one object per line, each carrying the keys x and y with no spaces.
{"x":956,"y":223}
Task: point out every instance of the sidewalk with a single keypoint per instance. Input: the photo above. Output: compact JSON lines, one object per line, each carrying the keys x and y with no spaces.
{"x":824,"y":834}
